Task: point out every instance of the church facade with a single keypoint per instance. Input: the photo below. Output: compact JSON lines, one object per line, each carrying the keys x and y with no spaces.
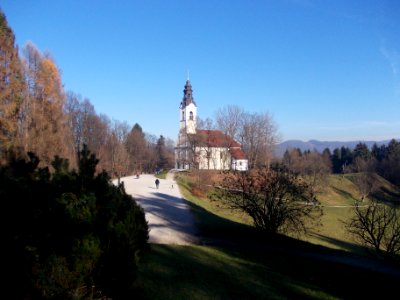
{"x":204,"y":149}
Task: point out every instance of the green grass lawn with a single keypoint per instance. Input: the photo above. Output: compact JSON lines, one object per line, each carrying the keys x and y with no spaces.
{"x":198,"y":272}
{"x":338,"y":199}
{"x":162,"y":174}
{"x":203,"y":272}
{"x":217,"y":220}
{"x":245,"y":265}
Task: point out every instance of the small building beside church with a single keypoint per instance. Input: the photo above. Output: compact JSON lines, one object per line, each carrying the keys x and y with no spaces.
{"x":204,"y":149}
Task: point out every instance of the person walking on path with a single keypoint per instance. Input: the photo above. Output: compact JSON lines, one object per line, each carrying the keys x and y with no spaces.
{"x":168,"y":214}
{"x":157,"y":183}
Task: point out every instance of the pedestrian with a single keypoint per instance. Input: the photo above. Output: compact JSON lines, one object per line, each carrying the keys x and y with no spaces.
{"x":157,"y":183}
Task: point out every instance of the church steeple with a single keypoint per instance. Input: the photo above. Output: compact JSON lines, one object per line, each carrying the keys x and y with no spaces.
{"x":187,"y":95}
{"x":188,"y":111}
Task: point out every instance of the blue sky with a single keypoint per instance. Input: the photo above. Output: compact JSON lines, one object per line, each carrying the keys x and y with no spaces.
{"x":324,"y":69}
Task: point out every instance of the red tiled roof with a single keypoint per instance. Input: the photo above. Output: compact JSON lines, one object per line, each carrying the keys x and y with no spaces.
{"x":215,"y":138}
{"x":237,"y":153}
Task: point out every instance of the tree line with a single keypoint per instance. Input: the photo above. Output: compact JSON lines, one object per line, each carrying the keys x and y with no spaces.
{"x":38,"y":115}
{"x":383,"y":160}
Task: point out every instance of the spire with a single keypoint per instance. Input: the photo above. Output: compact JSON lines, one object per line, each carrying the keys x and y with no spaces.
{"x":187,"y":94}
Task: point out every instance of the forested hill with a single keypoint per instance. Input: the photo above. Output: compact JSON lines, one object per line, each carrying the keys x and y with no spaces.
{"x":321,"y":145}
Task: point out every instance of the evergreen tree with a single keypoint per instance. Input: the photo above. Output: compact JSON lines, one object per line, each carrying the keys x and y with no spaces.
{"x":68,"y":234}
{"x":361,"y":151}
{"x":378,"y":152}
{"x":337,"y":161}
{"x":161,"y":153}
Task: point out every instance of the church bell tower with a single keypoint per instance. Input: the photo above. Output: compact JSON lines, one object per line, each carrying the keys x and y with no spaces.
{"x":188,"y":111}
{"x":187,"y":126}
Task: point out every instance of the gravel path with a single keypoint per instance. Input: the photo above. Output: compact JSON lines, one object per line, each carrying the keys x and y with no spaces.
{"x":169,"y":218}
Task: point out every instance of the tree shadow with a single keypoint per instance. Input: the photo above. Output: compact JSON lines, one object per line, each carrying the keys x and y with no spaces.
{"x":352,"y":247}
{"x":385,"y":195}
{"x":344,"y":194}
{"x":169,"y":216}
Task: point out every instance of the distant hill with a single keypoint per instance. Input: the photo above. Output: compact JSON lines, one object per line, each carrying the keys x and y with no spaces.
{"x":321,"y":145}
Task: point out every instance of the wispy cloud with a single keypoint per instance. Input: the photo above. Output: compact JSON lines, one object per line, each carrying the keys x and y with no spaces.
{"x":393,"y":57}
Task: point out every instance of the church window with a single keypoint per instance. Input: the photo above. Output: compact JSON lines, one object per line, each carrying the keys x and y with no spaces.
{"x":191,"y":115}
{"x":183,"y":115}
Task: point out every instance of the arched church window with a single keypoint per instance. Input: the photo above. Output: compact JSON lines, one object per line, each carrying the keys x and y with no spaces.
{"x":183,"y":116}
{"x":191,"y":115}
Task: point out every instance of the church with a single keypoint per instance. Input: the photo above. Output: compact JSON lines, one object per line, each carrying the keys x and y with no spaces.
{"x":204,"y":149}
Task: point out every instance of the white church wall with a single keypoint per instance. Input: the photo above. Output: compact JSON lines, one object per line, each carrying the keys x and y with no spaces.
{"x":240,"y":164}
{"x":210,"y":158}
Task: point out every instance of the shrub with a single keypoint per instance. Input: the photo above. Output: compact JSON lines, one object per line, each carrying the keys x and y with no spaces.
{"x":68,"y":234}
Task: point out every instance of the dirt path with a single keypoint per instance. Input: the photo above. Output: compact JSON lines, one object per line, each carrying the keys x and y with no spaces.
{"x":170,"y":219}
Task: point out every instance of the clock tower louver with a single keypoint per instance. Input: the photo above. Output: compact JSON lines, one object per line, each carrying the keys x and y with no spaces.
{"x":187,"y":126}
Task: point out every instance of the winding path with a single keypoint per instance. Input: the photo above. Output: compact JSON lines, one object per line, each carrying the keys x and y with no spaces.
{"x":169,"y":218}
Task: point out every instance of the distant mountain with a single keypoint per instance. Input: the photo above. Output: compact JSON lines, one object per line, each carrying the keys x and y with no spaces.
{"x":320,"y":145}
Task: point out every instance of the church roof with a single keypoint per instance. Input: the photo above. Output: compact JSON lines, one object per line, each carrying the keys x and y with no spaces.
{"x":237,"y":153}
{"x":215,"y":138}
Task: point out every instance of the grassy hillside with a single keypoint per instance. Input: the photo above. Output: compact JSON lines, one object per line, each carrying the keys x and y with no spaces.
{"x":203,"y":272}
{"x":234,"y":262}
{"x":338,"y":199}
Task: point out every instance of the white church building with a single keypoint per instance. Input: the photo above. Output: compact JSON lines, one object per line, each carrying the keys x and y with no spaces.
{"x":204,"y":149}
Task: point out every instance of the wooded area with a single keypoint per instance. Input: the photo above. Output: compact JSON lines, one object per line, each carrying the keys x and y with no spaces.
{"x":38,"y":115}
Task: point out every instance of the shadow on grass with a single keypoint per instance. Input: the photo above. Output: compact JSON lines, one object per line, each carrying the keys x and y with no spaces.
{"x":386,"y":195}
{"x":213,"y":227}
{"x":196,"y":272}
{"x":352,"y":247}
{"x":344,"y":194}
{"x":241,"y":263}
{"x":219,"y":232}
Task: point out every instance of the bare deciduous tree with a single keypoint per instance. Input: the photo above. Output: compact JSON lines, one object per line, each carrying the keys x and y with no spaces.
{"x":229,"y":120}
{"x":276,"y":200}
{"x":377,"y":225}
{"x":258,"y":137}
{"x":257,"y":132}
{"x":118,"y":153}
{"x":312,"y":166}
{"x":365,"y":178}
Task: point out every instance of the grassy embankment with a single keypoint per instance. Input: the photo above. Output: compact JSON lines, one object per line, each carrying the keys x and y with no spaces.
{"x":338,"y":199}
{"x":277,"y":269}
